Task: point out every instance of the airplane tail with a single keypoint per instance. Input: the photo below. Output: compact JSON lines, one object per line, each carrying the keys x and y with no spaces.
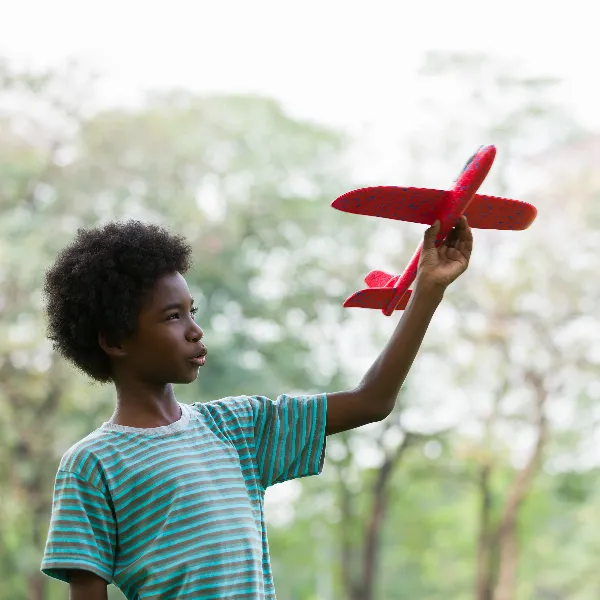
{"x":380,"y":279}
{"x":376,"y":297}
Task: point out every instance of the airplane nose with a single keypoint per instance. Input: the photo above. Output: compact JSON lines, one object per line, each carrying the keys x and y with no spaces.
{"x":488,"y":151}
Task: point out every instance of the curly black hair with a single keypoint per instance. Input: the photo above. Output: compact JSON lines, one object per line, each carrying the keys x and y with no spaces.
{"x":98,"y":283}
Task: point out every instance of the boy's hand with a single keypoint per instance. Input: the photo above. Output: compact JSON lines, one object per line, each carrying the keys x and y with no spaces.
{"x":440,"y":266}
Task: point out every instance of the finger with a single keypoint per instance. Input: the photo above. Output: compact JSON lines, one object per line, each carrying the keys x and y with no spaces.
{"x":465,"y":229}
{"x":430,"y":235}
{"x":456,"y":256}
{"x":464,"y":250}
{"x":452,"y":238}
{"x":465,"y":237}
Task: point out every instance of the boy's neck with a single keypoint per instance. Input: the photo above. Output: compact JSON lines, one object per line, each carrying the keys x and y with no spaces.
{"x":145,"y":408}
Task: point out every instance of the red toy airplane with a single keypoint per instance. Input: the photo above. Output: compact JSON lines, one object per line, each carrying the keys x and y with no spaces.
{"x":391,"y":292}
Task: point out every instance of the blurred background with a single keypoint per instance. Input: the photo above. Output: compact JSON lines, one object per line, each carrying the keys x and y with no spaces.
{"x":237,"y":124}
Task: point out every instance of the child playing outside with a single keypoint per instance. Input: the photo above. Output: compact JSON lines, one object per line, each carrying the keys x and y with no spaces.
{"x":166,"y":499}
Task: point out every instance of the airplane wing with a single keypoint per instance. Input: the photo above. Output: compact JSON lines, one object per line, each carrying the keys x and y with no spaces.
{"x":417,"y":205}
{"x":376,"y":298}
{"x":421,"y":205}
{"x":491,"y":212}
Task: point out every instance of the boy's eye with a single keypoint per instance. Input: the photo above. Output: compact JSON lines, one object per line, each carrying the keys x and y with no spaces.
{"x":176,"y":315}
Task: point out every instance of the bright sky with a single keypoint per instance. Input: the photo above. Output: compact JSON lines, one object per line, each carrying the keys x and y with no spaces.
{"x":342,"y":62}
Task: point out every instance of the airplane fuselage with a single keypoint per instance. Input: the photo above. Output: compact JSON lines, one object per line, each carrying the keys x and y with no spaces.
{"x":458,"y":199}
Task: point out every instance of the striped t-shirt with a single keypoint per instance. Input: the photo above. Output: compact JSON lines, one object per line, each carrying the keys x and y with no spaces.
{"x":177,"y":511}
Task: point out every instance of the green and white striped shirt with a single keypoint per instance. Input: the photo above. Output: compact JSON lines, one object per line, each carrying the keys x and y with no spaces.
{"x":177,"y":511}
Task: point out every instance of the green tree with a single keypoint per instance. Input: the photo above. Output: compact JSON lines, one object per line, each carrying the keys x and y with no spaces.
{"x":501,"y":435}
{"x":499,"y":321}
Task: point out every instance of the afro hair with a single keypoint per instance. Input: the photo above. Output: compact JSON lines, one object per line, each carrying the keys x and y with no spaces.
{"x":98,"y":283}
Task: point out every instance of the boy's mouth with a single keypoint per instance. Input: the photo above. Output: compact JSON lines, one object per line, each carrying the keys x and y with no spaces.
{"x":200,"y":357}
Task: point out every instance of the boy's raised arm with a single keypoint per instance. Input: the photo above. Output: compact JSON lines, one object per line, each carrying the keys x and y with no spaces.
{"x":375,"y":396}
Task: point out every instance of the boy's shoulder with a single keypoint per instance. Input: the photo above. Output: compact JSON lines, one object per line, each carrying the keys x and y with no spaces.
{"x":230,"y":411}
{"x":81,"y":458}
{"x":250,"y":410}
{"x":241,"y":405}
{"x":246,"y":410}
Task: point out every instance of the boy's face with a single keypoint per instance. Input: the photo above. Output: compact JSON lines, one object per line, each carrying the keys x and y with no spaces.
{"x":167,"y":338}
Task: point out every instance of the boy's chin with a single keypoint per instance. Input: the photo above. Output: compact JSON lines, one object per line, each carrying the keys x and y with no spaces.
{"x":188,"y":378}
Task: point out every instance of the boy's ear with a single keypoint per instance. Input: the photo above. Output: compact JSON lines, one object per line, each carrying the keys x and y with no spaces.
{"x":110,"y":348}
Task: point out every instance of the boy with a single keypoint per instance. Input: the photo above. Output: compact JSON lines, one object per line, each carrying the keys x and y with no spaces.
{"x":165,"y":500}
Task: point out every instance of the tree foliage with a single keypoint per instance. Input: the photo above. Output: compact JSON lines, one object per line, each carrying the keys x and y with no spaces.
{"x":483,"y":482}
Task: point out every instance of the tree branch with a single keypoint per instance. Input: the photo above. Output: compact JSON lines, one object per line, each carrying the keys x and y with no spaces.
{"x":507,"y":527}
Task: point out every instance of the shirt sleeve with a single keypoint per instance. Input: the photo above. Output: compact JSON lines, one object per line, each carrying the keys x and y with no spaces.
{"x":289,"y":436}
{"x":82,"y":533}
